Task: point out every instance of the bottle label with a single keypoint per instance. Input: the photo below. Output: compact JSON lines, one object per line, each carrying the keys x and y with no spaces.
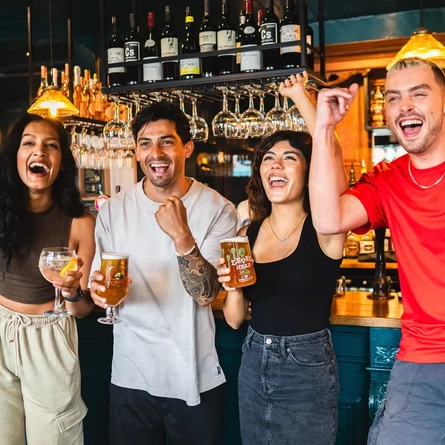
{"x":226,"y":39}
{"x":290,"y":33}
{"x":152,"y":72}
{"x":366,"y":247}
{"x":149,"y":43}
{"x":251,"y":60}
{"x":249,"y":30}
{"x":132,"y":51}
{"x":207,"y":41}
{"x":189,"y":66}
{"x":116,"y":55}
{"x":268,"y":33}
{"x":169,"y":46}
{"x":238,"y":55}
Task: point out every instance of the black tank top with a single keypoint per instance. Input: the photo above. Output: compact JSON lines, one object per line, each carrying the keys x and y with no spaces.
{"x":23,"y":282}
{"x":294,"y":295}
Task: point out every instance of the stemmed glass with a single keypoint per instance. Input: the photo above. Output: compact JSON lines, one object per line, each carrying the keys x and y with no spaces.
{"x":202,"y":129}
{"x":253,"y":119}
{"x":54,"y":262}
{"x":192,"y":123}
{"x":225,"y":123}
{"x":115,"y":130}
{"x":268,"y":128}
{"x":298,"y":123}
{"x":278,"y":116}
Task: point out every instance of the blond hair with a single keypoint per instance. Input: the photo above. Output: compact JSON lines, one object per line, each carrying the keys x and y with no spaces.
{"x":417,"y":62}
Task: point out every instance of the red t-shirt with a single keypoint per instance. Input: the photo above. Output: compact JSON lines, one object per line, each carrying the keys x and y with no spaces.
{"x":416,"y":218}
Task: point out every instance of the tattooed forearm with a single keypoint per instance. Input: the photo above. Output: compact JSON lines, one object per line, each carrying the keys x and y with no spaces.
{"x":199,"y":277}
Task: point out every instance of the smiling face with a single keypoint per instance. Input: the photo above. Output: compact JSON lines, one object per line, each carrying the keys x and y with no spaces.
{"x":415,"y":107}
{"x":162,"y":154}
{"x":283,"y":173}
{"x":39,"y":156}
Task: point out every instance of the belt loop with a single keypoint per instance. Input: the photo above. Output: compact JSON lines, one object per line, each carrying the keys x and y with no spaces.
{"x":283,"y":347}
{"x":249,"y":336}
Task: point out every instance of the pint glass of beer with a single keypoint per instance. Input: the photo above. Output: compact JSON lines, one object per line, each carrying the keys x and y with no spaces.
{"x":114,"y":268}
{"x":238,"y":258}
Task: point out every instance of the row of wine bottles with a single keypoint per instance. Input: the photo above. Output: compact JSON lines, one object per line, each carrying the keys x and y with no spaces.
{"x":256,"y":32}
{"x":87,"y":91}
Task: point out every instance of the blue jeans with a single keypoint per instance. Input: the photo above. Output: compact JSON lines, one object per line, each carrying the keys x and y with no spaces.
{"x":288,"y":390}
{"x":413,"y":412}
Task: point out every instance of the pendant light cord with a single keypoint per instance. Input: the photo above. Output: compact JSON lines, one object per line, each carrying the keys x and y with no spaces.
{"x":421,"y":13}
{"x":51,"y":36}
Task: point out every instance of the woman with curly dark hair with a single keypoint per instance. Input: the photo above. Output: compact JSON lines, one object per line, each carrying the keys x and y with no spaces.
{"x":288,"y":379}
{"x":40,"y":206}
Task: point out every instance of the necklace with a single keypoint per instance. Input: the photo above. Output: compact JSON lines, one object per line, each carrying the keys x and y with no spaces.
{"x":283,"y":240}
{"x":424,"y":187}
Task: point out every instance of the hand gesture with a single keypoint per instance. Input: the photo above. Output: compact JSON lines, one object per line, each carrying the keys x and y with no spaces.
{"x":223,"y":274}
{"x":293,"y":85}
{"x":71,"y":281}
{"x":172,"y":219}
{"x":333,"y":104}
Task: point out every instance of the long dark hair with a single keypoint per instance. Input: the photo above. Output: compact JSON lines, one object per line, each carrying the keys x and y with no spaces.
{"x":13,"y":194}
{"x":259,"y":205}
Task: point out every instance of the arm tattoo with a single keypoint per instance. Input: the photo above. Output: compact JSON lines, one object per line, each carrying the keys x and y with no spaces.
{"x":199,"y":277}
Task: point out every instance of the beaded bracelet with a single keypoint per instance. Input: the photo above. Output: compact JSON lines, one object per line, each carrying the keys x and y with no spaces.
{"x":188,"y":251}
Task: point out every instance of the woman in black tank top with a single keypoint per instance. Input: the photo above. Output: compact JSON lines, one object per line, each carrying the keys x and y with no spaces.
{"x":288,"y":379}
{"x":40,"y":206}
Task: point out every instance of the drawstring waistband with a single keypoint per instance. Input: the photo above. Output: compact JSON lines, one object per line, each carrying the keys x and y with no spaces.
{"x":12,"y":333}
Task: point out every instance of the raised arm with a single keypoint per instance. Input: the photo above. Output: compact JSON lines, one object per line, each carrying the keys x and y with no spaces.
{"x":332,"y":212}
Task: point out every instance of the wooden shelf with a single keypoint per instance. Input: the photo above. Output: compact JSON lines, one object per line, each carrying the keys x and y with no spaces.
{"x":354,"y":264}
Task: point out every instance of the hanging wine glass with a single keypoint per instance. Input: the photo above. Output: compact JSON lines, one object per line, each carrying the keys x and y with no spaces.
{"x":268,"y":128}
{"x":298,"y":123}
{"x":202,"y":129}
{"x":114,"y":131}
{"x":225,"y":123}
{"x":192,"y":123}
{"x":278,"y":116}
{"x":253,"y":119}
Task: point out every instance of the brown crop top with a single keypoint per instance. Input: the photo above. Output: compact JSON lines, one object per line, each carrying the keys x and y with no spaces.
{"x":23,"y":281}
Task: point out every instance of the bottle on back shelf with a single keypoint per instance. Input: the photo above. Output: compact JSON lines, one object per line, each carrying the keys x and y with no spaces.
{"x":55,"y":77}
{"x":43,"y":80}
{"x":352,"y":246}
{"x":190,"y":68}
{"x":352,"y":179}
{"x":169,"y":48}
{"x":115,"y":54}
{"x":207,"y":41}
{"x":242,"y":23}
{"x":85,"y":103}
{"x":152,"y":71}
{"x":132,"y":51}
{"x":366,"y":251}
{"x":289,"y":32}
{"x":65,"y":87}
{"x":77,"y":89}
{"x":310,"y":40}
{"x":226,"y":39}
{"x":250,"y":60}
{"x":269,"y":29}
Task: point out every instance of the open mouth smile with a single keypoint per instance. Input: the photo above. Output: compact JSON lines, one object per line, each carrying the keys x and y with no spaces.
{"x":411,"y":127}
{"x":159,"y":167}
{"x":38,"y":168}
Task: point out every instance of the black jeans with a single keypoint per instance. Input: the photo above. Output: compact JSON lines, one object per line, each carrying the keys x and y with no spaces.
{"x":138,"y":418}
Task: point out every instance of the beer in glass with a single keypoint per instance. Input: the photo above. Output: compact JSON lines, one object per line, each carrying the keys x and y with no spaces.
{"x":238,"y":258}
{"x":114,"y":268}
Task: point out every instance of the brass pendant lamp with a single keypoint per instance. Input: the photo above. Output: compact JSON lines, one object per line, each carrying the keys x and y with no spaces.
{"x":52,"y":103}
{"x":421,"y":44}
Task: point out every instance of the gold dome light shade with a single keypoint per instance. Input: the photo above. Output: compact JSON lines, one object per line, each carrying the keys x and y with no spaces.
{"x":421,"y":44}
{"x":53,"y":104}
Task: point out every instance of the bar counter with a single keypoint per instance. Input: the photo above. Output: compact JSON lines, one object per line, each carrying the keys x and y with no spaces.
{"x":354,"y":309}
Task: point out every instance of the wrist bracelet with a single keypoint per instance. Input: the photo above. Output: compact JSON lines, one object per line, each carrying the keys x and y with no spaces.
{"x":188,"y":251}
{"x":78,"y":297}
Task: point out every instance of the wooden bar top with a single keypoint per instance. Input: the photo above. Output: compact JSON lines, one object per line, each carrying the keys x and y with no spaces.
{"x":354,"y":309}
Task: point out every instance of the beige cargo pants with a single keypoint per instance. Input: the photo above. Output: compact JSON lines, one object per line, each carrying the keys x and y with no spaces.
{"x":39,"y":381}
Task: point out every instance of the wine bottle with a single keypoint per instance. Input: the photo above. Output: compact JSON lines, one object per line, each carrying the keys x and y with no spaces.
{"x":269,"y":34}
{"x":250,"y":60}
{"x":190,"y":68}
{"x":310,"y":40}
{"x":152,"y":71}
{"x":132,"y":49}
{"x":55,"y":77}
{"x":207,"y":41}
{"x":241,"y":24}
{"x":43,"y":80}
{"x":169,"y":48}
{"x":77,"y":93}
{"x":226,"y":38}
{"x":115,"y":54}
{"x":65,"y":83}
{"x":289,"y":32}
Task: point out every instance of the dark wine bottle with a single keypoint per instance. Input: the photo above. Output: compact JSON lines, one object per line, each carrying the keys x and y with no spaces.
{"x":310,"y":40}
{"x":269,"y":28}
{"x":169,"y":48}
{"x":152,"y":71}
{"x":190,"y":68}
{"x":115,"y":54}
{"x":132,"y":47}
{"x":250,"y":60}
{"x":207,"y":41}
{"x":241,"y":24}
{"x":289,"y":32}
{"x":226,"y":38}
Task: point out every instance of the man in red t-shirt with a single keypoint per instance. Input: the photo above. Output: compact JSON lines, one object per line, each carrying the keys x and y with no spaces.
{"x":407,"y":196}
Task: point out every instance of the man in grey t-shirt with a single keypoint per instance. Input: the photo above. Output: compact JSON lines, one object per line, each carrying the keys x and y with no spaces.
{"x":166,"y":378}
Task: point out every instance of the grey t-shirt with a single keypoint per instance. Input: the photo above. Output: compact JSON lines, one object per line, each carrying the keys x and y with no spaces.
{"x":165,"y":343}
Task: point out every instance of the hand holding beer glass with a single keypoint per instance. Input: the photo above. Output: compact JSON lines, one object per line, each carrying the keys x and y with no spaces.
{"x":114,"y":268}
{"x":238,"y":259}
